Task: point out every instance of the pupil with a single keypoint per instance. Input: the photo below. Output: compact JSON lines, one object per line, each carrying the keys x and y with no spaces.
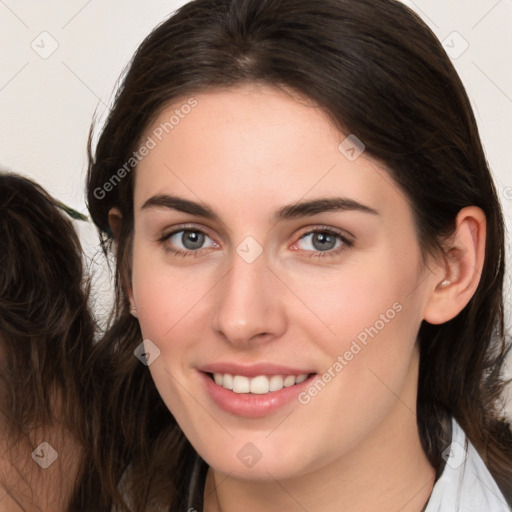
{"x":323,"y":241}
{"x":192,"y":239}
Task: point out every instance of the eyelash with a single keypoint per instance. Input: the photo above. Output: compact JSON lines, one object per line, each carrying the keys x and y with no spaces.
{"x":178,"y":252}
{"x":346,"y":243}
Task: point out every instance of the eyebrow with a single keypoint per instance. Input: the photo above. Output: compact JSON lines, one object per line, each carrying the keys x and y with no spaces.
{"x":288,"y":212}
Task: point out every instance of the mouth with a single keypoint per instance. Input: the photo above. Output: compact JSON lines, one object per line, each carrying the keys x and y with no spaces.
{"x":259,"y":385}
{"x":254,"y":392}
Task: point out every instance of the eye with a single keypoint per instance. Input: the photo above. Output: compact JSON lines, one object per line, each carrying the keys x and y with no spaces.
{"x":323,"y":241}
{"x":186,"y":241}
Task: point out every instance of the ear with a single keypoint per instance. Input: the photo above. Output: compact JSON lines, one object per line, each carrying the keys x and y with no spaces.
{"x":115,"y":220}
{"x":463,"y":263}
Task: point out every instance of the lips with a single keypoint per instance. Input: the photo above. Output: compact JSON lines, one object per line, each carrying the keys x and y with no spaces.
{"x":254,"y":390}
{"x":254,"y":370}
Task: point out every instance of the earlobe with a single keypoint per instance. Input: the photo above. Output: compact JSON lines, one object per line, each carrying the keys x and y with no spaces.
{"x":463,"y":263}
{"x":131,"y":299}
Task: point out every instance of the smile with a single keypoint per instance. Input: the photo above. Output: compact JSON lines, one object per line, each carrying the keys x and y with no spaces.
{"x":254,"y":392}
{"x":259,"y":385}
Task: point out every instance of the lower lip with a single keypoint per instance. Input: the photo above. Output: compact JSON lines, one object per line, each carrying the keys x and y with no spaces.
{"x":252,"y":405}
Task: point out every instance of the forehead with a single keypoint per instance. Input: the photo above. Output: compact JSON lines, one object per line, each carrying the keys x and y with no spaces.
{"x":251,"y":146}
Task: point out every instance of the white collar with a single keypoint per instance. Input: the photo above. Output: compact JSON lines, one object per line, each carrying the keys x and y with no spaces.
{"x":466,"y":485}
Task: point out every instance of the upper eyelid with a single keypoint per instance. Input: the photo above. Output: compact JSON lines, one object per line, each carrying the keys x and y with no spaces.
{"x":187,"y":227}
{"x":335,"y":231}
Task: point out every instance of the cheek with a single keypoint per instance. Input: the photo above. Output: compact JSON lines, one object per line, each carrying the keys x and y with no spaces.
{"x":367,"y":322}
{"x":164,"y":295}
{"x":169,"y":301}
{"x":370,"y":293}
{"x":367,"y":349}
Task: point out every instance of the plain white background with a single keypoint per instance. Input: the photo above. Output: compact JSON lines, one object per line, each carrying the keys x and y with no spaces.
{"x":60,"y":61}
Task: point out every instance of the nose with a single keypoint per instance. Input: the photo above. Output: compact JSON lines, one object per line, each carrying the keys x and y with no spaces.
{"x":250,"y":306}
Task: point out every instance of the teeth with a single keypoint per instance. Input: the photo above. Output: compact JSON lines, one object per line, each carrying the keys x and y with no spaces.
{"x":259,"y":385}
{"x":227,"y":380}
{"x":301,"y":378}
{"x":241,"y":384}
{"x":289,"y":381}
{"x":276,"y":383}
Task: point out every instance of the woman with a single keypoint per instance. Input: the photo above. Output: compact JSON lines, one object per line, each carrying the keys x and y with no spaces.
{"x":46,"y":336}
{"x":310,"y":260}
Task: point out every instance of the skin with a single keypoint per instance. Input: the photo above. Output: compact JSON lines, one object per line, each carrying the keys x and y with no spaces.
{"x":247,"y":152}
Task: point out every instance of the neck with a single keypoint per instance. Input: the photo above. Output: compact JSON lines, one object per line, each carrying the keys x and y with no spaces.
{"x":388,"y":471}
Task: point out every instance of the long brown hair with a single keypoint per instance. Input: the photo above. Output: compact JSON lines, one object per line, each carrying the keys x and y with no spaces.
{"x":46,"y":338}
{"x":379,"y":72}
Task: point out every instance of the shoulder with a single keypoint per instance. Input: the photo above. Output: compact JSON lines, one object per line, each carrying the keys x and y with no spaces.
{"x":465,"y":485}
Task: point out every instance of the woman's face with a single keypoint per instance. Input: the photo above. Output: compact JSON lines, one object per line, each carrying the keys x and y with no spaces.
{"x":264,"y":254}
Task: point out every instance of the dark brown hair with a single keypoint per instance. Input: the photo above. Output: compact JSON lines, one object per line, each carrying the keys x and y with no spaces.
{"x":379,"y":72}
{"x":46,"y":338}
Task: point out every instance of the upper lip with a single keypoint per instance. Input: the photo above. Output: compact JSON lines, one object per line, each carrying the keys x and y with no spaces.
{"x":253,"y":370}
